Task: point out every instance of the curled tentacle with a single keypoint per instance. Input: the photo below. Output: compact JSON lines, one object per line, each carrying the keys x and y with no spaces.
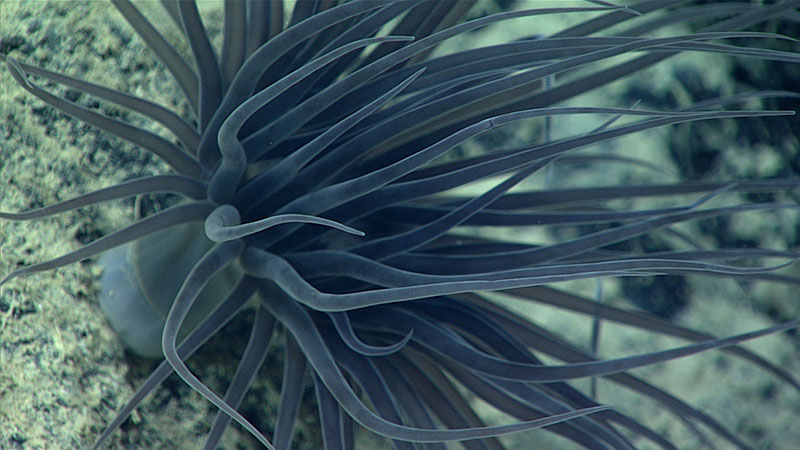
{"x":343,"y":326}
{"x":223,"y":224}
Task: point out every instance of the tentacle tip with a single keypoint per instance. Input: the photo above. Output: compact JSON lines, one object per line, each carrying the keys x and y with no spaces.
{"x":345,"y":228}
{"x":401,"y":38}
{"x":8,"y":278}
{"x":630,"y":10}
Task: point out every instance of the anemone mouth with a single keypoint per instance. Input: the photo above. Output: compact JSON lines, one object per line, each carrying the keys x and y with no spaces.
{"x":388,"y":291}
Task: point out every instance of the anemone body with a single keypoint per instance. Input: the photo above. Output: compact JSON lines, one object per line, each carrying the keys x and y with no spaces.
{"x":227,"y":179}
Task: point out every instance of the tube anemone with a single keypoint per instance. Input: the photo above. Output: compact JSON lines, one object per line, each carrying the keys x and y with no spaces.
{"x":321,"y":159}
